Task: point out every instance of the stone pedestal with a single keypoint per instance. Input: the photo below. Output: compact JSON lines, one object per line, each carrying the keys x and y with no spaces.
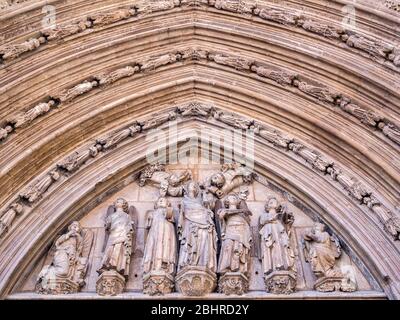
{"x":233,"y":283}
{"x":158,"y":283}
{"x":196,"y":281}
{"x":110,"y":283}
{"x":280,"y":282}
{"x":328,"y":284}
{"x":58,"y":286}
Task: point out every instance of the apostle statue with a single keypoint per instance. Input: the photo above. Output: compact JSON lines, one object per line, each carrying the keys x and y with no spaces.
{"x":278,"y":258}
{"x":160,"y":252}
{"x":236,"y":239}
{"x":114,"y":268}
{"x":198,"y":243}
{"x":322,"y":251}
{"x":69,"y":262}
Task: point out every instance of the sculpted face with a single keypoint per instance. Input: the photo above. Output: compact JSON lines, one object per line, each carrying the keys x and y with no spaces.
{"x":162,"y":203}
{"x":271,"y":204}
{"x":75,"y":227}
{"x":121,"y":204}
{"x":319,"y":227}
{"x":193,"y":189}
{"x":218,"y":180}
{"x":232,"y":201}
{"x":174,"y":180}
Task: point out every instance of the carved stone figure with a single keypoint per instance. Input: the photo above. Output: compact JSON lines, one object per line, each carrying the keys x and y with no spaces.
{"x":321,"y":93}
{"x":157,"y":119}
{"x":36,"y":191}
{"x":391,"y":131}
{"x":15,"y":50}
{"x":77,"y":159}
{"x":365,"y":116}
{"x":7,"y":219}
{"x":390,"y":221}
{"x":277,"y":15}
{"x":114,"y":270}
{"x":279,"y":76}
{"x":236,"y":240}
{"x":273,"y":136}
{"x":26,"y":118}
{"x":238,"y":6}
{"x":62,"y":31}
{"x":318,"y":161}
{"x":321,"y":251}
{"x":4,"y":132}
{"x":69,"y":94}
{"x":233,"y":120}
{"x":319,"y":28}
{"x":232,"y":61}
{"x":375,"y":49}
{"x":170,"y":184}
{"x":278,"y":257}
{"x":194,"y":109}
{"x":194,"y":54}
{"x":105,"y":18}
{"x":67,"y":270}
{"x":231,"y":176}
{"x":113,"y":76}
{"x":149,"y":6}
{"x":198,"y":244}
{"x":159,"y":61}
{"x":160,"y":252}
{"x":117,"y":137}
{"x":355,"y":188}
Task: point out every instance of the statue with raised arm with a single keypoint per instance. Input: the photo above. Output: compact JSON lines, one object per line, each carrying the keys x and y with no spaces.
{"x":160,"y":252}
{"x":114,"y":270}
{"x":278,"y":258}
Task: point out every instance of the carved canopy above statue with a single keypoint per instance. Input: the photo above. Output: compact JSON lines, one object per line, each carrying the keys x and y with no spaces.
{"x":321,"y":213}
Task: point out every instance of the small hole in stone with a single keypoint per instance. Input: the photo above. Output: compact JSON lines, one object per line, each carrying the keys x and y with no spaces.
{"x":136,"y":275}
{"x":256,"y":272}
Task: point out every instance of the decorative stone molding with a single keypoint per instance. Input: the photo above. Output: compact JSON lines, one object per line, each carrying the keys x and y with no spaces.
{"x":195,"y":281}
{"x":280,"y":76}
{"x":319,"y":162}
{"x":110,"y":283}
{"x":158,"y":283}
{"x":233,"y":283}
{"x":280,"y":282}
{"x":393,"y":5}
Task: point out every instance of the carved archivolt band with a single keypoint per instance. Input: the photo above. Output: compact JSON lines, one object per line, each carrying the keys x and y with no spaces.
{"x":375,"y":49}
{"x":320,"y":163}
{"x":273,"y":73}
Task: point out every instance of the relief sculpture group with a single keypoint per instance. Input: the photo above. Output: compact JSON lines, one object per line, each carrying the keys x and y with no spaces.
{"x":198,"y":239}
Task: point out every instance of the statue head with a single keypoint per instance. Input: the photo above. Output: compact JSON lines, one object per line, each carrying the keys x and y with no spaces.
{"x":248,"y":176}
{"x":75,"y":226}
{"x":232,"y":201}
{"x":218,"y":180}
{"x":192,"y":189}
{"x":243,"y":193}
{"x":121,"y":203}
{"x":272,"y":203}
{"x":162,"y":202}
{"x":319,"y":227}
{"x":174,"y":180}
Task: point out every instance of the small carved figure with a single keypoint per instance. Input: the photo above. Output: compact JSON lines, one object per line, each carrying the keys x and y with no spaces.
{"x":194,"y":109}
{"x":277,"y":15}
{"x":69,"y":94}
{"x":117,"y":137}
{"x":159,"y":61}
{"x":4,"y":132}
{"x":232,"y":61}
{"x":391,"y":131}
{"x":272,"y":136}
{"x":67,"y":270}
{"x":321,"y":93}
{"x":77,"y":159}
{"x":63,"y":31}
{"x":279,"y":76}
{"x":375,"y":49}
{"x":233,"y":120}
{"x":238,"y":6}
{"x":105,"y":18}
{"x":36,"y":191}
{"x":7,"y":219}
{"x":13,"y":51}
{"x":113,"y":76}
{"x":319,"y":28}
{"x":157,"y":119}
{"x":26,"y":118}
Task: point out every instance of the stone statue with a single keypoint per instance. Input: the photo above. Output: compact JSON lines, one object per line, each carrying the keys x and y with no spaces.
{"x":160,"y":252}
{"x":4,"y":132}
{"x":233,"y":120}
{"x":62,"y":31}
{"x":27,"y":117}
{"x":316,"y":160}
{"x":277,"y":15}
{"x":105,"y":18}
{"x":321,"y":29}
{"x":322,"y":251}
{"x":69,"y":94}
{"x":7,"y":219}
{"x":149,"y":6}
{"x":159,"y":61}
{"x":272,"y":136}
{"x":114,"y":270}
{"x":236,"y":62}
{"x":365,"y":116}
{"x":67,"y":270}
{"x":279,"y":76}
{"x":194,"y":109}
{"x":170,"y":184}
{"x":36,"y":191}
{"x":374,"y":48}
{"x":238,"y":6}
{"x":321,"y":93}
{"x":236,"y":240}
{"x":119,"y":136}
{"x":391,"y":131}
{"x":278,"y":259}
{"x":15,"y":50}
{"x":198,"y":244}
{"x":157,"y":119}
{"x":231,"y":176}
{"x":77,"y":159}
{"x":113,"y":76}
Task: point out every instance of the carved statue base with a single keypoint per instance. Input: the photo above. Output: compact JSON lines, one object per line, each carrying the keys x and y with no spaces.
{"x":158,"y":283}
{"x":280,"y":282}
{"x":57,"y":286}
{"x":196,"y":281}
{"x":233,"y":283}
{"x":110,"y":283}
{"x":328,"y":284}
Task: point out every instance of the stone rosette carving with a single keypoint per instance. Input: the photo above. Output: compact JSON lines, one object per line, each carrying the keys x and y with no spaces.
{"x":195,"y":281}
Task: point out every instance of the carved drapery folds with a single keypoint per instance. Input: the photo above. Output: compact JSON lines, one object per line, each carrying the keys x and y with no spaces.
{"x":160,"y":253}
{"x":69,"y":262}
{"x":278,"y":259}
{"x":322,"y":251}
{"x":197,"y":264}
{"x":120,"y":232}
{"x":36,"y":191}
{"x":7,"y":219}
{"x":234,"y":259}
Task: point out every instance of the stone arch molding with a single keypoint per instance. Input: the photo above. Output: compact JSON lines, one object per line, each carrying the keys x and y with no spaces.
{"x":47,"y":210}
